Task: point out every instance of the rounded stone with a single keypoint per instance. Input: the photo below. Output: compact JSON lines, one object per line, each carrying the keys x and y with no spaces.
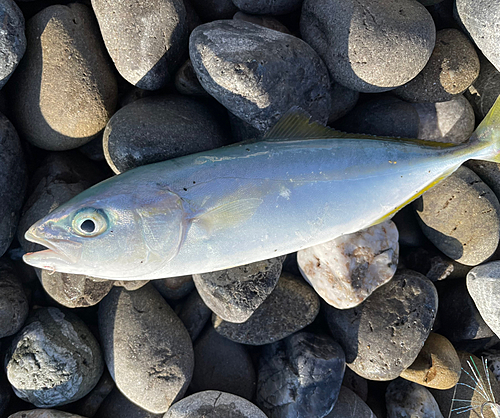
{"x":350,"y":405}
{"x":64,"y":90}
{"x":44,"y":413}
{"x":408,"y":399}
{"x":451,"y":69}
{"x":291,"y":306}
{"x":488,"y":171}
{"x":54,"y":360}
{"x":174,"y":288}
{"x":436,"y":366}
{"x":461,"y":217}
{"x":234,"y":294}
{"x":346,"y":270}
{"x":343,"y":101}
{"x":13,"y":301}
{"x":383,"y":336}
{"x":214,"y":404}
{"x":155,"y":129}
{"x":267,"y":7}
{"x":153,"y":372}
{"x":257,"y":73}
{"x":266,"y":21}
{"x":144,"y":39}
{"x":194,"y":314}
{"x":117,"y":405}
{"x":368,"y":45}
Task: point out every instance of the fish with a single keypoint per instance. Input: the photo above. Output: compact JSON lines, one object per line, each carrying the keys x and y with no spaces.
{"x":303,"y":184}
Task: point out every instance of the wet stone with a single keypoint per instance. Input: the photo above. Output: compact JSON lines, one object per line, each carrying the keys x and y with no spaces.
{"x":194,"y":314}
{"x":408,"y":399}
{"x":117,"y":405}
{"x":350,"y":405}
{"x":268,"y":7}
{"x":174,"y":288}
{"x":13,"y":301}
{"x":300,"y":376}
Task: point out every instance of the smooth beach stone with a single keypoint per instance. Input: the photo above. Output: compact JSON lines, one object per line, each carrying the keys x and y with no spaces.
{"x":343,"y":101}
{"x":13,"y":301}
{"x":234,"y":294}
{"x":350,"y":405}
{"x":44,"y":413}
{"x":186,"y":81}
{"x":12,"y":39}
{"x":54,"y":360}
{"x":346,"y":270}
{"x":451,"y":69}
{"x":257,"y":73}
{"x":436,"y":366}
{"x":214,"y":404}
{"x":194,"y":314}
{"x":408,"y":399}
{"x":155,"y":129}
{"x":117,"y":405}
{"x":452,"y":121}
{"x":151,"y":372}
{"x":368,"y":45}
{"x":144,"y":39}
{"x":174,"y":288}
{"x":89,"y":405}
{"x":13,"y":182}
{"x":265,"y":7}
{"x":461,"y":217}
{"x":383,"y":336}
{"x":210,"y":10}
{"x":300,"y":376}
{"x":222,"y":364}
{"x":489,"y":172}
{"x":266,"y":21}
{"x":65,"y":91}
{"x":356,"y":383}
{"x":291,"y":306}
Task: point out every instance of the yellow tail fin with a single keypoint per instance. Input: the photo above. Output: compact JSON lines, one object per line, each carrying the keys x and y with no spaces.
{"x":487,"y":135}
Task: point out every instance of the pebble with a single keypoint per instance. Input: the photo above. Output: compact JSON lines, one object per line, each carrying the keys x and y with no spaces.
{"x":346,"y":270}
{"x":355,"y":383}
{"x":368,"y":45}
{"x":74,"y":99}
{"x":383,"y":336}
{"x":152,"y":372}
{"x":257,"y":73}
{"x":214,"y":404}
{"x":408,"y":399}
{"x":117,"y":405}
{"x":234,"y":294}
{"x":194,"y":314}
{"x":222,"y":365}
{"x":461,"y":217}
{"x":12,"y":39}
{"x":436,"y":366}
{"x":54,"y":360}
{"x":452,"y":121}
{"x":300,"y":376}
{"x":343,"y":101}
{"x":291,"y":306}
{"x":186,"y":81}
{"x":451,"y":69}
{"x":266,"y":21}
{"x":159,"y":128}
{"x":268,"y":7}
{"x":44,"y":413}
{"x":350,"y":405}
{"x":174,"y":288}
{"x":146,"y":40}
{"x":13,"y":301}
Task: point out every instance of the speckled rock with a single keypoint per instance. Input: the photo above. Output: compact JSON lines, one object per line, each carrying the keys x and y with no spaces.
{"x":369,"y":46}
{"x":210,"y":10}
{"x":186,"y":81}
{"x":452,"y":121}
{"x":346,"y":270}
{"x":408,"y":399}
{"x":300,"y":376}
{"x":291,"y":306}
{"x":350,"y":405}
{"x":194,"y":314}
{"x":174,"y":288}
{"x":266,"y":21}
{"x":54,"y":360}
{"x":461,"y":217}
{"x":343,"y":101}
{"x":12,"y":39}
{"x":214,"y":404}
{"x":152,"y":372}
{"x":13,"y":301}
{"x":451,"y":69}
{"x":159,"y":128}
{"x":383,"y":336}
{"x":144,"y":39}
{"x":234,"y":294}
{"x":258,"y":73}
{"x":64,"y":89}
{"x":268,"y":7}
{"x":117,"y":405}
{"x":436,"y":366}
{"x":44,"y":413}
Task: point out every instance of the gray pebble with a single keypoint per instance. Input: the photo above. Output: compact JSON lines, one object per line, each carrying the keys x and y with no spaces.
{"x":257,"y":73}
{"x":186,"y":81}
{"x":54,"y":360}
{"x":489,"y":172}
{"x":268,"y":7}
{"x":408,"y":399}
{"x":266,"y":21}
{"x":174,"y":288}
{"x":118,"y":406}
{"x":194,"y":314}
{"x":343,"y":101}
{"x":350,"y":405}
{"x":13,"y":301}
{"x":44,"y":413}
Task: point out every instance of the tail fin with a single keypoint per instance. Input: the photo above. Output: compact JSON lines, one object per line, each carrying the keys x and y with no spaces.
{"x":487,"y":135}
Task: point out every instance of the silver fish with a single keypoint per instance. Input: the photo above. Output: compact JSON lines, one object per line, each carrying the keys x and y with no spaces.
{"x":302,"y":185}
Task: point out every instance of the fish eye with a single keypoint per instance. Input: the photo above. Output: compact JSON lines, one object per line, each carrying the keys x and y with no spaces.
{"x":90,"y":222}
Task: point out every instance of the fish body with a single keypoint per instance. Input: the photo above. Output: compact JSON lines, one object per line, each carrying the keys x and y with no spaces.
{"x":244,"y":203}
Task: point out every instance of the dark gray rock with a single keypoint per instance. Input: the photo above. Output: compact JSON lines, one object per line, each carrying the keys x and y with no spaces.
{"x":117,"y":405}
{"x":356,"y":384}
{"x":430,"y":2}
{"x":194,"y":314}
{"x":343,"y":101}
{"x":234,"y":294}
{"x":210,"y":10}
{"x":451,"y":69}
{"x":174,"y":288}
{"x":368,"y":45}
{"x":159,"y":128}
{"x":266,"y":21}
{"x":383,"y":336}
{"x":300,"y":376}
{"x":257,"y":73}
{"x":461,"y":217}
{"x":350,"y":405}
{"x":489,"y":172}
{"x":268,"y":7}
{"x":146,"y":40}
{"x":54,"y":360}
{"x":214,"y":404}
{"x":44,"y":413}
{"x":13,"y":301}
{"x":152,"y":372}
{"x":243,"y":131}
{"x":222,"y":365}
{"x":93,"y":150}
{"x":291,"y":306}
{"x":4,"y":393}
{"x":12,"y":39}
{"x":408,"y":399}
{"x":186,"y":81}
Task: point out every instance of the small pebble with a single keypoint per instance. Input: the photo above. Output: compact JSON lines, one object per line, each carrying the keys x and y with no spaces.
{"x":268,"y":7}
{"x":13,"y":301}
{"x":408,"y":399}
{"x":117,"y":405}
{"x":174,"y":288}
{"x":44,"y":413}
{"x":194,"y":314}
{"x":350,"y":405}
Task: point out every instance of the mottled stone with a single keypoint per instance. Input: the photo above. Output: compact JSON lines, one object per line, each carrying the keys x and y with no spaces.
{"x":174,"y":288}
{"x":266,"y":21}
{"x":13,"y":301}
{"x":44,"y":413}
{"x":346,"y":270}
{"x":117,"y":405}
{"x":271,"y":7}
{"x":186,"y":81}
{"x":408,"y":399}
{"x":350,"y":405}
{"x":194,"y":314}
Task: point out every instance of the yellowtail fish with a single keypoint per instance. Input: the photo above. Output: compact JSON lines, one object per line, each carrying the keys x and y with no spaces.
{"x":302,"y":185}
